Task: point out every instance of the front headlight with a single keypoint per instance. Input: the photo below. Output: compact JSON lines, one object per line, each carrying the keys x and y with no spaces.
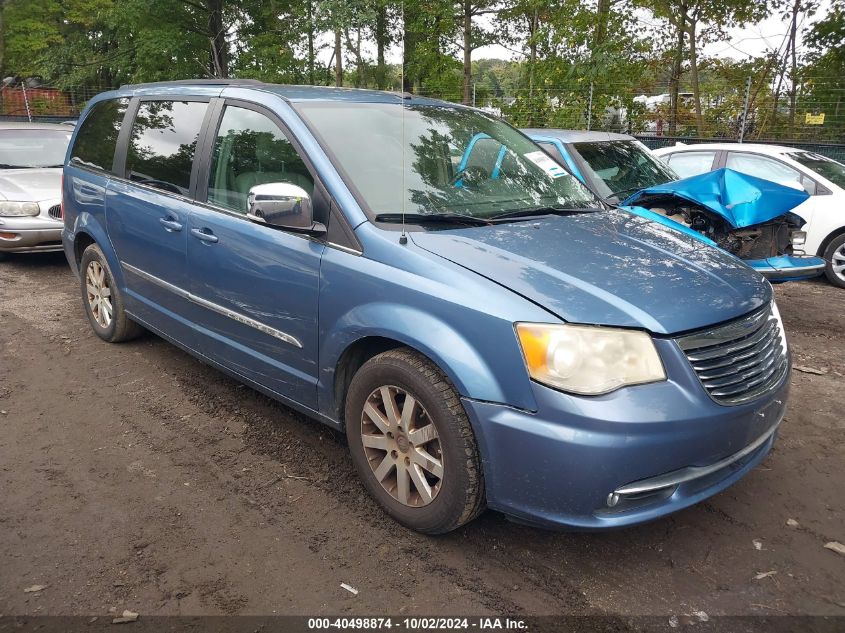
{"x":588,"y":360}
{"x":798,"y":239}
{"x":10,"y":208}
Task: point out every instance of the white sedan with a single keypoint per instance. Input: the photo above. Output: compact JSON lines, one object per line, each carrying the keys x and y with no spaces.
{"x":31,"y":158}
{"x":822,"y":177}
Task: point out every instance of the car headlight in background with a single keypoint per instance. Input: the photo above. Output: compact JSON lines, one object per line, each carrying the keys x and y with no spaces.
{"x":10,"y":208}
{"x":588,"y":360}
{"x":798,"y":239}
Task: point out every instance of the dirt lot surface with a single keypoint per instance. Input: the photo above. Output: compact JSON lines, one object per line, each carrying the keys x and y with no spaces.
{"x":134,"y":477}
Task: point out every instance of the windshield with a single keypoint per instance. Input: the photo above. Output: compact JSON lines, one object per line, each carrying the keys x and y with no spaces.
{"x":33,"y":148}
{"x":620,"y":168}
{"x":431,"y":159}
{"x":825,"y":167}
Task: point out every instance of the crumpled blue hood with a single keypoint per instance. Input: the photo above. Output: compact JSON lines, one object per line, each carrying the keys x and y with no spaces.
{"x":740,"y":199}
{"x":607,"y":268}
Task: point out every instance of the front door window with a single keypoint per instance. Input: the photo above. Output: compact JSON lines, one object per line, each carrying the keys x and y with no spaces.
{"x":251,"y":150}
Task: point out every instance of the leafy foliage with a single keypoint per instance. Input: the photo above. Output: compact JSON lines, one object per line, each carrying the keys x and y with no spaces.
{"x":574,"y":63}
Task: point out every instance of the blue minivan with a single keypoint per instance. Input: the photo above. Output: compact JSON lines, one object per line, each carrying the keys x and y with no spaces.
{"x":509,"y":343}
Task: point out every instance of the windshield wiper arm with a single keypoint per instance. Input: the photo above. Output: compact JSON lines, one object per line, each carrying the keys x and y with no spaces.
{"x":539,"y":211}
{"x":431,"y":218}
{"x":618,"y":194}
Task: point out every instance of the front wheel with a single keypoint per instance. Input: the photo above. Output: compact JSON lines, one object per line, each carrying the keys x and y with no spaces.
{"x":834,"y":255}
{"x":412,"y":443}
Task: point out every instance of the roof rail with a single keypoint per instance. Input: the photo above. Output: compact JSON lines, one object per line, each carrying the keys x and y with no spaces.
{"x":197,"y":82}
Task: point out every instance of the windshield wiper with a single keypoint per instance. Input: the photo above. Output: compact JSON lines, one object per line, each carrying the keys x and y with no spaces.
{"x":539,"y":211}
{"x":431,"y":218}
{"x":618,"y":194}
{"x":7,"y":166}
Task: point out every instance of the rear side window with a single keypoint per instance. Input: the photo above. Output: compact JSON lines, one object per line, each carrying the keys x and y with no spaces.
{"x":163,"y":142}
{"x":97,"y":136}
{"x":688,"y":164}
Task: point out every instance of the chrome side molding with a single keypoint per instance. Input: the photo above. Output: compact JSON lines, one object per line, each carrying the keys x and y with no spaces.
{"x":235,"y":316}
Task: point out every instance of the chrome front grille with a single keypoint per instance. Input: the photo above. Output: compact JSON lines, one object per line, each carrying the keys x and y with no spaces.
{"x":739,"y":361}
{"x":55,"y":212}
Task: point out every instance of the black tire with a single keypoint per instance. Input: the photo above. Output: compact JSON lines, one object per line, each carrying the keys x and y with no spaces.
{"x":120,"y":327}
{"x":460,"y":491}
{"x":835,"y":245}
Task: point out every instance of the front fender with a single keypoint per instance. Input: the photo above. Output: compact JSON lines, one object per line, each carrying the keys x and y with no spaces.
{"x":459,"y":319}
{"x":436,"y":339}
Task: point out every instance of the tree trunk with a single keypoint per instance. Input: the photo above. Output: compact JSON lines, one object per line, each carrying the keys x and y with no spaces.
{"x":219,"y":64}
{"x":2,"y":38}
{"x":355,"y":48}
{"x":409,"y":45}
{"x":675,"y":78}
{"x":776,"y":95}
{"x":602,"y":18}
{"x":467,"y":28}
{"x":532,"y":51}
{"x":359,"y":60}
{"x":381,"y":45}
{"x":793,"y":75}
{"x":338,"y":59}
{"x":310,"y":10}
{"x":696,"y":90}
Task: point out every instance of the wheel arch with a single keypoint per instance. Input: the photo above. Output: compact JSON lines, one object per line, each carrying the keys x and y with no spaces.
{"x":346,"y":349}
{"x":87,"y":230}
{"x":830,"y":237}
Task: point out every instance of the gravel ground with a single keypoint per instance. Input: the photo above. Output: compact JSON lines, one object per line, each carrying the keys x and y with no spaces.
{"x":134,"y":477}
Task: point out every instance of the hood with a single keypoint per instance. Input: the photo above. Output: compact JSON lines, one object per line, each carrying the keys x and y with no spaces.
{"x":30,"y":185}
{"x":740,"y":199}
{"x":608,"y":268}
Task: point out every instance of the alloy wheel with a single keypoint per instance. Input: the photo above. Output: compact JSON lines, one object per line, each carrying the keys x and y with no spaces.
{"x":402,"y":446}
{"x":99,"y":293}
{"x":837,"y":262}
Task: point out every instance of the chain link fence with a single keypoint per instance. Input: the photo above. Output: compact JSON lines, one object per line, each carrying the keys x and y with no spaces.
{"x":812,"y":119}
{"x":809,"y":119}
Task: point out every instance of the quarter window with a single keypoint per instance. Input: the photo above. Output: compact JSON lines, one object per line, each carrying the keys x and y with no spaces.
{"x":687,"y":164}
{"x":251,"y":150}
{"x":763,"y":167}
{"x":97,"y":135}
{"x":163,"y":143}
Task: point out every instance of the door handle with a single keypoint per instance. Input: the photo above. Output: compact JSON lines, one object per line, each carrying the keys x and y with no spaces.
{"x":205,"y":235}
{"x":170,"y":224}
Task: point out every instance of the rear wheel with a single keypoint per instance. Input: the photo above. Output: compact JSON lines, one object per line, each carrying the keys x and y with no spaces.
{"x":412,"y":443}
{"x":834,"y":255}
{"x":102,"y":300}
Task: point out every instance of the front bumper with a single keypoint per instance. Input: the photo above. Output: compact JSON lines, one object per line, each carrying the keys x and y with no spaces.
{"x":788,"y":267}
{"x":30,"y":234}
{"x":623,"y":458}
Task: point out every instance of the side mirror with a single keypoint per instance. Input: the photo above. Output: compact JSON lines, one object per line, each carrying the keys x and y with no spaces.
{"x":283,"y":205}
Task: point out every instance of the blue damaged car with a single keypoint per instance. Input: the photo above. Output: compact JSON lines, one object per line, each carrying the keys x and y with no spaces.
{"x":621,"y":170}
{"x":509,"y":343}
